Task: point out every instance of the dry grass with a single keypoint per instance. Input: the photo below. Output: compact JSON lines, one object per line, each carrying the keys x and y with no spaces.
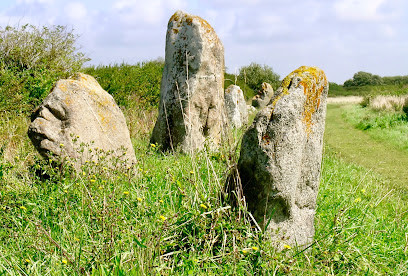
{"x":390,"y":103}
{"x":345,"y":100}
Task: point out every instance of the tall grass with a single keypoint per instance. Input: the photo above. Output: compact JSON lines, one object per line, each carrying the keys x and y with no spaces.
{"x":388,"y":126}
{"x":167,"y":216}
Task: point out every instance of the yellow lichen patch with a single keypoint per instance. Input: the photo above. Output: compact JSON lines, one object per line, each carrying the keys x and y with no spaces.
{"x":189,"y":19}
{"x":313,"y":81}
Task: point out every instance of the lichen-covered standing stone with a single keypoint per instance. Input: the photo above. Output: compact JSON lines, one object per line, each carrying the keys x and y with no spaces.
{"x":281,"y":157}
{"x":263,"y":97}
{"x":79,"y":111}
{"x":235,"y":106}
{"x":191,"y":109}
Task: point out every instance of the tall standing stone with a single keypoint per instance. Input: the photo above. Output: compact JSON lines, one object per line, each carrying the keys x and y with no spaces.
{"x":79,"y":111}
{"x":235,"y":106}
{"x":281,"y":155}
{"x":191,"y":95}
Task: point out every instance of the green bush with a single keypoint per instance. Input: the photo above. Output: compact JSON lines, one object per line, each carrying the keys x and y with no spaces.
{"x":31,"y":60}
{"x":127,"y":82}
{"x":405,"y":107}
{"x":255,"y":74}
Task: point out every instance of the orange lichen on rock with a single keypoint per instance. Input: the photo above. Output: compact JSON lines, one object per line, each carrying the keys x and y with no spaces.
{"x":314,"y":81}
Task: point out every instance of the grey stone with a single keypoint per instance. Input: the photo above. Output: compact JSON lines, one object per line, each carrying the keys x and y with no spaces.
{"x":263,"y":97}
{"x":235,"y":106}
{"x":191,"y":110}
{"x":281,"y":155}
{"x":79,"y":111}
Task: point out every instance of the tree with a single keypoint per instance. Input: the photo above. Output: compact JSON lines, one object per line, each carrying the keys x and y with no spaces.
{"x":363,"y":78}
{"x":255,"y":74}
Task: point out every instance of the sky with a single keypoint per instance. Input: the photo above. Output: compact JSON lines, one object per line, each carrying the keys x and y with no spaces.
{"x":341,"y":37}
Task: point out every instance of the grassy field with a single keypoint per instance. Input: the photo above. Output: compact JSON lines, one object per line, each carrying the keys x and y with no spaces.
{"x":166,"y":216}
{"x":381,"y":151}
{"x":368,"y":90}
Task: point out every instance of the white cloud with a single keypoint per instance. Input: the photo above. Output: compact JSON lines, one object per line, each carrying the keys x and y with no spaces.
{"x":151,"y":12}
{"x":359,"y":10}
{"x":76,"y":10}
{"x":388,"y":31}
{"x":35,"y":1}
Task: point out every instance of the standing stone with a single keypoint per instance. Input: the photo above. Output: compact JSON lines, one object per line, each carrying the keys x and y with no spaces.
{"x":79,"y":111}
{"x":281,"y":157}
{"x":235,"y":106}
{"x":263,"y":97}
{"x":191,"y":109}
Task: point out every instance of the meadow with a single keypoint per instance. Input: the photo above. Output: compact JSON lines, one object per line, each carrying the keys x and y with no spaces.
{"x":169,"y":214}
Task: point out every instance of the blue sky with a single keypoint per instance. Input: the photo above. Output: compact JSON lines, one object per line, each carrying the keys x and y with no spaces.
{"x":340,"y":36}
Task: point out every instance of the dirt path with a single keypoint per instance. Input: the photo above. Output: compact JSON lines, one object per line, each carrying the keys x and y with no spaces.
{"x":357,"y":147}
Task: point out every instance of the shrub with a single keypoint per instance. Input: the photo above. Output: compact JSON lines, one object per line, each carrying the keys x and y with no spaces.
{"x":31,"y":60}
{"x":405,"y":107}
{"x":255,"y":74}
{"x":127,"y":82}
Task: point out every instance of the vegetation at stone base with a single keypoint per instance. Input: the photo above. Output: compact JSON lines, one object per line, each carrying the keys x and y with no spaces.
{"x":126,"y":82}
{"x":31,"y":60}
{"x":166,"y":216}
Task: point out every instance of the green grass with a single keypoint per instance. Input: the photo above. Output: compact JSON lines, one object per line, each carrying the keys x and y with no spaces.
{"x":360,"y":147}
{"x":166,"y":216}
{"x":368,"y":90}
{"x":389,"y":127}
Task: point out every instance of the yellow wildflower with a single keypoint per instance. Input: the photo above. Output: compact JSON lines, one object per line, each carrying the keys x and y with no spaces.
{"x":161,"y":201}
{"x":139,"y":199}
{"x":286,"y":246}
{"x":23,"y":208}
{"x":203,"y":206}
{"x":61,"y":145}
{"x":28,"y":261}
{"x":125,"y":192}
{"x":363,"y":191}
{"x":153,"y":145}
{"x":244,"y":251}
{"x":255,"y":248}
{"x":357,"y":199}
{"x":64,"y":261}
{"x":163,"y":218}
{"x":92,"y":180}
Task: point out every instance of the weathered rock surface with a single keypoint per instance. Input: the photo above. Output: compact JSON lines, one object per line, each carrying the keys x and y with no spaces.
{"x":235,"y":106}
{"x":281,"y":157}
{"x":79,"y":111}
{"x":191,"y":110}
{"x":263,"y":97}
